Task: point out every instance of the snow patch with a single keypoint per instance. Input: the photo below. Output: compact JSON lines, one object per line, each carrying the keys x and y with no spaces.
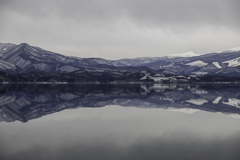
{"x":217,"y":64}
{"x":233,"y":102}
{"x":216,"y":101}
{"x":233,"y":63}
{"x":197,"y":63}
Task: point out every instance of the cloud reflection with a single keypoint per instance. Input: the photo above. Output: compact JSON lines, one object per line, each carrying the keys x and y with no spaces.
{"x":180,"y":145}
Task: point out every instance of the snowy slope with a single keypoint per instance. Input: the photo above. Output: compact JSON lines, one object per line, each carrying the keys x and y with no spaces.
{"x":233,"y":102}
{"x":217,"y":64}
{"x":217,"y":100}
{"x":233,"y":63}
{"x":197,"y":63}
{"x":4,"y":47}
{"x":25,"y":58}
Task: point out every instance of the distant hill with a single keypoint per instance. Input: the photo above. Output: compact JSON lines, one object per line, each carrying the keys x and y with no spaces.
{"x":24,"y":58}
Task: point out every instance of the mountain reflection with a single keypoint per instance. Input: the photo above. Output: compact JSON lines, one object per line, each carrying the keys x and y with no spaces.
{"x":26,"y":102}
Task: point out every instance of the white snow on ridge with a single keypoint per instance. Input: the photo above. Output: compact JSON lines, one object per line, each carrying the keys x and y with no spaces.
{"x":197,"y":101}
{"x":217,"y":64}
{"x":233,"y":102}
{"x":233,"y":63}
{"x":197,"y":63}
{"x":187,"y":54}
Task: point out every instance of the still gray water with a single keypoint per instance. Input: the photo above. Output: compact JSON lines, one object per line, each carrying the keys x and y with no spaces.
{"x":119,"y":122}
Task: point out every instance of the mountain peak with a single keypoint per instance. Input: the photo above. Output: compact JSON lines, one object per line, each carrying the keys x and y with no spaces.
{"x":24,"y":44}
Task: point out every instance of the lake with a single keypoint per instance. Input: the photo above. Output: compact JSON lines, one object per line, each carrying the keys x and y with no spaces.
{"x":103,"y":121}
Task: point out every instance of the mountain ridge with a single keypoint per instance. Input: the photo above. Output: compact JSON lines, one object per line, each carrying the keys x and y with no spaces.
{"x":24,"y":58}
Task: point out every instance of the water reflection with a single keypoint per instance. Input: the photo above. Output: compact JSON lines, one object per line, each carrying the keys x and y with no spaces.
{"x":26,"y":102}
{"x":108,"y":122}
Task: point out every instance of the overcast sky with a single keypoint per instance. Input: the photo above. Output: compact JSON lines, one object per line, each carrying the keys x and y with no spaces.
{"x":115,"y":29}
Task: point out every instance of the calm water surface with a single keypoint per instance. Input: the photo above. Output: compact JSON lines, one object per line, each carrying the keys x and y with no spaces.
{"x":119,"y":122}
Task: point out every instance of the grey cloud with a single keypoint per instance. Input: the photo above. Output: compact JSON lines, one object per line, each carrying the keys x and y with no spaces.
{"x":151,"y":12}
{"x":116,"y":29}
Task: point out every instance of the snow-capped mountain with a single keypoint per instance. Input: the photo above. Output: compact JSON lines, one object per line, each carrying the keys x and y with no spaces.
{"x":24,"y":58}
{"x":223,"y":63}
{"x":144,"y":61}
